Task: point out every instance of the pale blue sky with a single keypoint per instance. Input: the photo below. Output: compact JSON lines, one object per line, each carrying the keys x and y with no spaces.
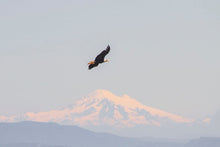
{"x":165,"y":54}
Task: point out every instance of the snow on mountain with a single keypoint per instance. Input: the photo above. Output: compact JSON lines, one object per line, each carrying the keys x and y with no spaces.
{"x":104,"y":108}
{"x":7,"y":119}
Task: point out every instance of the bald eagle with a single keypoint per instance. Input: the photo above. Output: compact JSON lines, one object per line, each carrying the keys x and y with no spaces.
{"x":99,"y":58}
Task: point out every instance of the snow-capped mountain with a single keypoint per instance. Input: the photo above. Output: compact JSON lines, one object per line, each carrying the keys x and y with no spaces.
{"x":104,"y":108}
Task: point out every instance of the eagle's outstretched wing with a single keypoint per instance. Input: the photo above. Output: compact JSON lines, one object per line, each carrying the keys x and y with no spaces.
{"x":101,"y":56}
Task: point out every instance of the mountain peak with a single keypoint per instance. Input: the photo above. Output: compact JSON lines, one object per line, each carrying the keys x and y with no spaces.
{"x":101,"y":93}
{"x":125,"y":100}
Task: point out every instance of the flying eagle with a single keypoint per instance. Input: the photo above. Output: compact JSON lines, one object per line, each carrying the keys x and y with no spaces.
{"x":99,"y":58}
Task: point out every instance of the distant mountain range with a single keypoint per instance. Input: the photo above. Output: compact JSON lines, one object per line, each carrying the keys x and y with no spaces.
{"x":105,"y":112}
{"x":36,"y":134}
{"x":104,"y":108}
{"x":51,"y":134}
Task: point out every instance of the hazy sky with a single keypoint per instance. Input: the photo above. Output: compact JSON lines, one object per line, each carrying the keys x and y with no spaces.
{"x":165,"y":54}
